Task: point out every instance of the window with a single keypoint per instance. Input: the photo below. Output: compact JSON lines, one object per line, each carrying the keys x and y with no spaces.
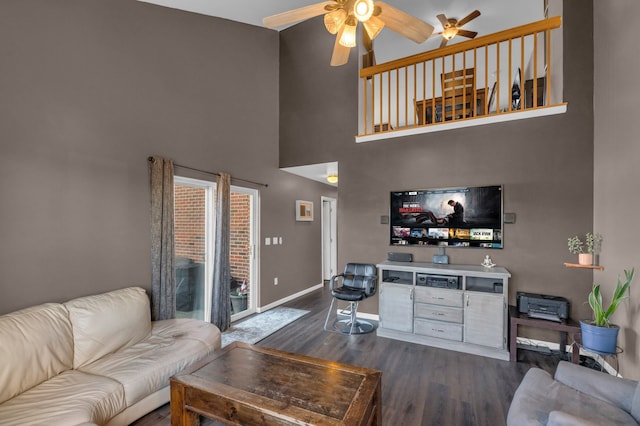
{"x":193,"y":237}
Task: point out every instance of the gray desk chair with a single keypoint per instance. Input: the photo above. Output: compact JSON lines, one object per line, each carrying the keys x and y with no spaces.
{"x":359,"y":281}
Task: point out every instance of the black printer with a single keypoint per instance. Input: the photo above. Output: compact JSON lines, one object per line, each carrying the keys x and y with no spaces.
{"x":543,"y":306}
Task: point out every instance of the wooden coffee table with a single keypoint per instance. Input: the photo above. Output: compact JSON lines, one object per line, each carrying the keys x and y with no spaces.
{"x":246,"y":385}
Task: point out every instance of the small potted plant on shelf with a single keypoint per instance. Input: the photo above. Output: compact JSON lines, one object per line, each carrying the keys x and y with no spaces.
{"x":599,"y":335}
{"x":593,"y":243}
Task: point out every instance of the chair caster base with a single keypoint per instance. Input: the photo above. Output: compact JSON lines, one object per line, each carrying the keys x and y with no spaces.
{"x":360,"y":327}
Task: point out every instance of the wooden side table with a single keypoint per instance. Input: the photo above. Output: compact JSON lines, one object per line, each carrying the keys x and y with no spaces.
{"x":566,"y":327}
{"x":246,"y":385}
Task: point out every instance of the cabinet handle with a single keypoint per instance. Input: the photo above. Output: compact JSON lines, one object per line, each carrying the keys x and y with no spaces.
{"x":467,"y":300}
{"x":437,"y":298}
{"x":437,"y":331}
{"x":411,"y":294}
{"x":439,"y":314}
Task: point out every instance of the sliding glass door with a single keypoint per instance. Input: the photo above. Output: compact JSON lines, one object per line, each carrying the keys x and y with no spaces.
{"x":193,"y":235}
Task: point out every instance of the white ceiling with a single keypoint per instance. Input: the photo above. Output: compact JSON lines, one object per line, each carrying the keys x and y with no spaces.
{"x":496,"y":15}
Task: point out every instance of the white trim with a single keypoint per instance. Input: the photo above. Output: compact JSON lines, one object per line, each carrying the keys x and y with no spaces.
{"x":495,"y":118}
{"x":289,"y":298}
{"x":329,"y":225}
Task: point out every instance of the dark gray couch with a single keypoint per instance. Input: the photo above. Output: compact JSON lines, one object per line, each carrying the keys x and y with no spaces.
{"x":575,"y":396}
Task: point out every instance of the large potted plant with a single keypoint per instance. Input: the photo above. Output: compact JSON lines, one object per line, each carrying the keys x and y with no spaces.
{"x":593,"y":244}
{"x":599,"y":335}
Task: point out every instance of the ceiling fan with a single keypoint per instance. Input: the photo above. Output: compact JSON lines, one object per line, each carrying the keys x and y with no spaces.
{"x":451,"y":27}
{"x":341,"y":17}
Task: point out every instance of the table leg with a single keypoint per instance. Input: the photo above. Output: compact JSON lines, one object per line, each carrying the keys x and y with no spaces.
{"x":512,"y":341}
{"x":563,"y":342}
{"x":575,"y":349}
{"x":180,"y":416}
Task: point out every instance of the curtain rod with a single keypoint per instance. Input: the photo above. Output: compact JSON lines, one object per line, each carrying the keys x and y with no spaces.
{"x":215,"y":174}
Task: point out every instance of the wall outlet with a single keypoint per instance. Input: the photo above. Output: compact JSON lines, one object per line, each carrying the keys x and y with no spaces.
{"x":275,"y":281}
{"x":267,"y":241}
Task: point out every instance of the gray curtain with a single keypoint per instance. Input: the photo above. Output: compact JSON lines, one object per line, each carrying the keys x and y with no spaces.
{"x":221,"y":301}
{"x":163,"y":285}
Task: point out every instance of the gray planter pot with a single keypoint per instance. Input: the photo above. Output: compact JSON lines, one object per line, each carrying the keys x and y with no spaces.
{"x":238,"y":303}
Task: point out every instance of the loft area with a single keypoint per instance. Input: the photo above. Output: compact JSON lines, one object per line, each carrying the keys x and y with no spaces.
{"x":498,"y":77}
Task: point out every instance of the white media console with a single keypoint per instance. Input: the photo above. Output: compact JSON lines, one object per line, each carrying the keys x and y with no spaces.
{"x":457,"y":307}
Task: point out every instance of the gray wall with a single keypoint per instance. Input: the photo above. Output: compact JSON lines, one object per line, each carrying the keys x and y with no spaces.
{"x":616,"y":194}
{"x":89,"y":89}
{"x":545,"y":165}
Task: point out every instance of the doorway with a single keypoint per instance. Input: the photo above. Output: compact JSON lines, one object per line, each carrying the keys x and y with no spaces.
{"x":194,"y":222}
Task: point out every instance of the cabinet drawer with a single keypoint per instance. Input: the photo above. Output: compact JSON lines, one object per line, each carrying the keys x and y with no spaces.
{"x":438,"y":296}
{"x":443,"y":330}
{"x":438,"y":312}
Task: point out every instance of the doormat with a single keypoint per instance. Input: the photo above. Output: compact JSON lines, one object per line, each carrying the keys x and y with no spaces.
{"x":261,"y":325}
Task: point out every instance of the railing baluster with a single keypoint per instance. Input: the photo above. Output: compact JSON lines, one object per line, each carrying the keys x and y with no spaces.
{"x":548,"y":69}
{"x":523,"y":100}
{"x":535,"y":70}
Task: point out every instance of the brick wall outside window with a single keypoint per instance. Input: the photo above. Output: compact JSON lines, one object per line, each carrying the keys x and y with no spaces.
{"x":189,"y":222}
{"x":189,"y":230}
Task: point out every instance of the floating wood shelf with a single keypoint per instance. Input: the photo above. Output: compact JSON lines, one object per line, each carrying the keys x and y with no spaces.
{"x":577,"y":265}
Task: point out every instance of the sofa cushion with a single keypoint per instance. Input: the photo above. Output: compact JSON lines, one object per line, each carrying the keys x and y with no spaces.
{"x":635,"y":403}
{"x":106,"y":322}
{"x":35,"y":344}
{"x":70,"y":398}
{"x":146,"y":366}
{"x":538,"y":395}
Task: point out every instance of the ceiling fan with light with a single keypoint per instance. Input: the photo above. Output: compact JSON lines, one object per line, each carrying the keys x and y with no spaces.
{"x":451,"y":27}
{"x":341,"y":17}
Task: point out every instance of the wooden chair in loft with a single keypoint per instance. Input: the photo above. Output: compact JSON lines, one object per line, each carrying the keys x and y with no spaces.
{"x":458,"y":92}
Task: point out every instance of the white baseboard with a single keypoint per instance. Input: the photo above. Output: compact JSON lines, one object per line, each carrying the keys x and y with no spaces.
{"x":289,"y":298}
{"x":556,"y":346}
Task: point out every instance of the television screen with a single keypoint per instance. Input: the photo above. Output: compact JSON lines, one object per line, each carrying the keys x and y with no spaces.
{"x":452,"y":217}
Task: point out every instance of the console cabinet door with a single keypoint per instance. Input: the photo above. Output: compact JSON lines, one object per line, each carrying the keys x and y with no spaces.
{"x":396,"y":307}
{"x":484,"y":319}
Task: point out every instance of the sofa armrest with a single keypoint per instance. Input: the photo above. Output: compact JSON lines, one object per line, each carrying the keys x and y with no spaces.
{"x":614,"y":390}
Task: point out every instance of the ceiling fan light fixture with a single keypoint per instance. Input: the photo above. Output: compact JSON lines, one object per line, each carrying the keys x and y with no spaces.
{"x":449,"y":33}
{"x":348,"y":36}
{"x":363,"y":9}
{"x":333,"y":21}
{"x":373,"y":26}
{"x":333,"y":178}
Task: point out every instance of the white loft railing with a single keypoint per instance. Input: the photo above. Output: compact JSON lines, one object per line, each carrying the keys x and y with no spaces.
{"x":503,"y":73}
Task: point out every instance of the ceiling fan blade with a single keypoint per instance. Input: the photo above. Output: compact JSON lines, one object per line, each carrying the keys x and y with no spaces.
{"x":469,"y":17}
{"x":369,"y":57}
{"x":403,"y":23}
{"x":443,"y":20}
{"x":295,"y":15}
{"x":367,"y":43}
{"x":340,"y":55}
{"x":443,"y":43}
{"x":465,"y":33}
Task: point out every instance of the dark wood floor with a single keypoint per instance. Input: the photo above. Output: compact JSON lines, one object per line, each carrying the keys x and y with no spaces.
{"x":421,"y":385}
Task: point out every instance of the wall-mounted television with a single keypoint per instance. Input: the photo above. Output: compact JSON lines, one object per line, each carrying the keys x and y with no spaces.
{"x":447,"y":217}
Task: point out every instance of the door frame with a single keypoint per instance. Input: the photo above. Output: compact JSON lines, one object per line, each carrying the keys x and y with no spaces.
{"x":329,"y":237}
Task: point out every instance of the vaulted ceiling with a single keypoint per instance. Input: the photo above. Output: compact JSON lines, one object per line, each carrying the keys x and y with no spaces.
{"x":496,"y":15}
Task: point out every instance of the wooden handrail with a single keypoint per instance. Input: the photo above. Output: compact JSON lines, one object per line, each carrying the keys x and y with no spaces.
{"x":521,"y":31}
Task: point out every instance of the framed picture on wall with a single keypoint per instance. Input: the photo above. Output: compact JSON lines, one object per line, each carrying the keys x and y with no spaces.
{"x":304,"y":210}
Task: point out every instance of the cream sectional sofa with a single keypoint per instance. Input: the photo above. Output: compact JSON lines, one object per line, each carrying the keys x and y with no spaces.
{"x":93,"y":360}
